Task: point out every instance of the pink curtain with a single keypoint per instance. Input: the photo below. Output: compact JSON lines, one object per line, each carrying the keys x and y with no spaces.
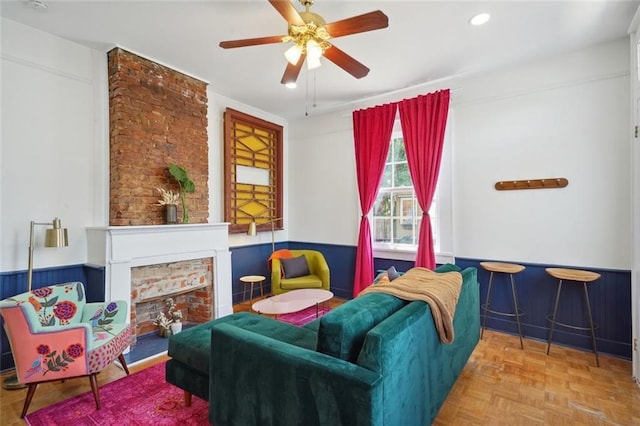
{"x":372,"y":133}
{"x":423,"y":120}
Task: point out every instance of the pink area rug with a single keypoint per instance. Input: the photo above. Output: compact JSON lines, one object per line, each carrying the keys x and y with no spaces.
{"x":303,"y":317}
{"x":143,"y":398}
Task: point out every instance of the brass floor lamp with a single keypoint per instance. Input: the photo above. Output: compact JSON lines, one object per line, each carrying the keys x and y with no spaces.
{"x":253,"y":231}
{"x":54,"y":237}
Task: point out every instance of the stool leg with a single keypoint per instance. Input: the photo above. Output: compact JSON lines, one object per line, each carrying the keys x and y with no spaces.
{"x":553,"y":318}
{"x":593,"y":332}
{"x":486,"y":305}
{"x":244,"y":292}
{"x":517,"y":311}
{"x":251,"y":295}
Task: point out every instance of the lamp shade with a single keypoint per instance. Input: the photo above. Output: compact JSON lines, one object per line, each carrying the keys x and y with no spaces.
{"x":313,"y":63}
{"x":314,"y":51}
{"x":293,"y":54}
{"x":252,"y":231}
{"x":57,"y":236}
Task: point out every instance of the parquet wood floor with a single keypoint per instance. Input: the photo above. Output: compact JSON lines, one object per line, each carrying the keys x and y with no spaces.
{"x":500,"y":385}
{"x":505,"y":385}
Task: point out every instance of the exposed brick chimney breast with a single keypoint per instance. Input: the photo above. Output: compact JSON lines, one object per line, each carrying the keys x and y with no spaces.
{"x":157,"y":116}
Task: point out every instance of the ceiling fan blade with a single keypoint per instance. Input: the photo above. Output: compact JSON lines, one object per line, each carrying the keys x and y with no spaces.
{"x":230,"y":44}
{"x":346,"y":62}
{"x":358,"y":24}
{"x":292,"y":71}
{"x":288,"y":12}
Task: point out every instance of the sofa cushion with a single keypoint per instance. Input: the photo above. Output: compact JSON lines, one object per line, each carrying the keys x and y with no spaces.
{"x":382,"y":278}
{"x":295,"y":267}
{"x":342,"y":331}
{"x":392,"y":273}
{"x":193,"y":345}
{"x":307,"y":281}
{"x":447,"y":267}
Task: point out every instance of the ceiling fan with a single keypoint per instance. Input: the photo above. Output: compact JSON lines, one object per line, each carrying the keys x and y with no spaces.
{"x":311,"y":34}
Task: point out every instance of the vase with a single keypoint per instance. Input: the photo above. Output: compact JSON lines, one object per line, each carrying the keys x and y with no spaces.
{"x":176,"y":327}
{"x":185,"y":212}
{"x":171,"y":213}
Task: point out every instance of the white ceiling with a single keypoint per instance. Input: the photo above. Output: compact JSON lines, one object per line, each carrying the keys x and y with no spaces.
{"x":425,"y":41}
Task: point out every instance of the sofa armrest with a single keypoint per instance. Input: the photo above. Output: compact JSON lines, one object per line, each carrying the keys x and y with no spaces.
{"x":322,"y":271}
{"x":276,"y":275}
{"x":255,"y":379}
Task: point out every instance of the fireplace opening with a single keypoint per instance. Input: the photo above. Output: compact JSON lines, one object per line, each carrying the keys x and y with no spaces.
{"x":188,"y":282}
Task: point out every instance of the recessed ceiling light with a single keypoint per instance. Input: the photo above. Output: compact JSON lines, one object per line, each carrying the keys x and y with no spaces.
{"x":479,"y":19}
{"x":291,"y":85}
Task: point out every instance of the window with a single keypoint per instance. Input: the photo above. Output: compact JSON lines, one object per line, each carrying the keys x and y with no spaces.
{"x":396,"y":214}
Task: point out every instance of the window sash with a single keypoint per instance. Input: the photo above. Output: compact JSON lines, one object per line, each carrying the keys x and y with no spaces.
{"x":440,"y":211}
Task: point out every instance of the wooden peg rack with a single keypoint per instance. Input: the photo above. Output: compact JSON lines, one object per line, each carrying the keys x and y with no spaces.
{"x":547,"y":183}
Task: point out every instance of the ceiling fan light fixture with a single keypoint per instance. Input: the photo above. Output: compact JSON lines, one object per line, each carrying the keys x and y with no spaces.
{"x":314,"y":51}
{"x":313,"y":62}
{"x":291,"y":85}
{"x":293,"y":54}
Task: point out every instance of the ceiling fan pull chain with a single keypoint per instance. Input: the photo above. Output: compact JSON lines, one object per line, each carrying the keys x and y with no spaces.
{"x":314,"y":89}
{"x":306,"y":93}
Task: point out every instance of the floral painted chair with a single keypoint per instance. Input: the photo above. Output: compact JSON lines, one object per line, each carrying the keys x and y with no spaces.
{"x":55,"y":334}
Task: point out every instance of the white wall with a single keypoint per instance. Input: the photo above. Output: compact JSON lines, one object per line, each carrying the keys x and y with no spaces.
{"x":564,"y":116}
{"x":54,"y":151}
{"x":48,"y":143}
{"x":568,"y":117}
{"x":324,"y":205}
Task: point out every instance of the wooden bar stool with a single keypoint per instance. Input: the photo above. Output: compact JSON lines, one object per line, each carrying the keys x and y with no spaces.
{"x":574,"y":275}
{"x":251,"y":279}
{"x":504,"y":268}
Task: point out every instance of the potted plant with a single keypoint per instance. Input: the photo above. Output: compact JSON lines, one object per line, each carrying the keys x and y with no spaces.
{"x":186,"y":187}
{"x":170,"y":202}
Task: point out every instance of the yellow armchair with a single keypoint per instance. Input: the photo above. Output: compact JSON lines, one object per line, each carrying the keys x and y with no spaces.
{"x":319,"y":276}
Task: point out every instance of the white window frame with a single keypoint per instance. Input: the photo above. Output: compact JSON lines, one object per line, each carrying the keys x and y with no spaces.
{"x":443,"y":205}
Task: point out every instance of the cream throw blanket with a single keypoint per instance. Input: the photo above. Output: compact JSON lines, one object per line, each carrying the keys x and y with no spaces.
{"x":440,"y":290}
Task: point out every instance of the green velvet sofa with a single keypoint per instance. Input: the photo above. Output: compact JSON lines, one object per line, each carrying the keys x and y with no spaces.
{"x":375,"y":360}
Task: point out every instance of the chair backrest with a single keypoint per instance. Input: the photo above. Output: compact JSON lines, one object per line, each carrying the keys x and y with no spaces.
{"x":58,"y":304}
{"x":315,"y":259}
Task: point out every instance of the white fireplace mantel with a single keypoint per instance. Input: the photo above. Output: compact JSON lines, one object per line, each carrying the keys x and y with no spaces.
{"x":120,"y":248}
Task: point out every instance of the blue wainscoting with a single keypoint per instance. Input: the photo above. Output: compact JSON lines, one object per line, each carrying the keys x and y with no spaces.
{"x":12,"y":283}
{"x":610,"y":298}
{"x":250,"y":260}
{"x":341,"y":260}
{"x":400,"y":265}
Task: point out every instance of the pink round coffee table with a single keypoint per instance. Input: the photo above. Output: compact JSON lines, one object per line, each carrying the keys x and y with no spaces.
{"x":292,"y":301}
